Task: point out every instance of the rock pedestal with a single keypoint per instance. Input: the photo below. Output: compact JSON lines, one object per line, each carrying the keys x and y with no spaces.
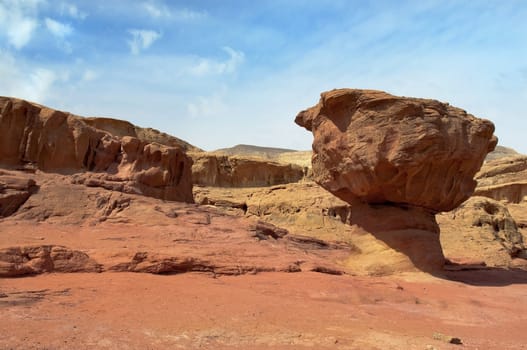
{"x":397,"y":160}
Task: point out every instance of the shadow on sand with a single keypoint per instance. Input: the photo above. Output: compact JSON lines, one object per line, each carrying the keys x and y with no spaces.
{"x":489,"y":277}
{"x":415,"y":233}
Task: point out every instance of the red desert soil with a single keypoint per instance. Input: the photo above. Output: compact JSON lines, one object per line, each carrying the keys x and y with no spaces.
{"x":488,"y":310}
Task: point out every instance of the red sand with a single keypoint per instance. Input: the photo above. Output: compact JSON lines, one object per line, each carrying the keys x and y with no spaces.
{"x":264,"y":311}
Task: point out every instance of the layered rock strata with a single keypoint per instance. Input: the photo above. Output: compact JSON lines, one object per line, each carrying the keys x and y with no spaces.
{"x":230,"y":171}
{"x":36,"y":137}
{"x":504,"y":179}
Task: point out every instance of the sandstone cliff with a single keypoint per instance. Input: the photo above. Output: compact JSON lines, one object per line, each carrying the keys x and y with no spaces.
{"x":123,"y":128}
{"x":37,"y":137}
{"x":235,"y":171}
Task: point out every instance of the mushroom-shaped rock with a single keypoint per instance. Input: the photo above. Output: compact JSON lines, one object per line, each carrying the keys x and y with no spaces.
{"x":379,"y":148}
{"x":397,"y":161}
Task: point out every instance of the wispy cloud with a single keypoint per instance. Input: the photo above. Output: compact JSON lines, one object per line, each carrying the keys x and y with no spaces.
{"x":71,"y":10}
{"x":58,"y":29}
{"x":142,"y":39}
{"x":18,"y":20}
{"x":158,"y":10}
{"x":20,"y":80}
{"x":207,"y":106}
{"x":188,"y":15}
{"x":89,"y":75}
{"x":207,"y":66}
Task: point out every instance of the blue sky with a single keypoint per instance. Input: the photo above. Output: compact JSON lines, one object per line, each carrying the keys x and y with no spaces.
{"x":219,"y":73}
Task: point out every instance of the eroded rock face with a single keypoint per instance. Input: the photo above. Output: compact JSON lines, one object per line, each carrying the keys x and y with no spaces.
{"x":55,"y":141}
{"x":494,"y":218}
{"x":397,"y":161}
{"x":123,"y":128}
{"x":379,"y":148}
{"x":227,"y":171}
{"x":30,"y":260}
{"x":14,"y":191}
{"x":504,"y":179}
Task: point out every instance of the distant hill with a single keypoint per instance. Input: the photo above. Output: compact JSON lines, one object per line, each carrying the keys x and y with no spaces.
{"x":254,"y":151}
{"x":501,"y":152}
{"x":280,"y":155}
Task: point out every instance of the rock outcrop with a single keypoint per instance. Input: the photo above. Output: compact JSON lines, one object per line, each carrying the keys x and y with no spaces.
{"x":37,"y":137}
{"x":483,"y":230}
{"x":397,"y":161}
{"x":494,"y":218}
{"x":504,"y":179}
{"x":31,"y":260}
{"x":65,"y":227}
{"x":379,"y":148}
{"x":14,"y":191}
{"x":231,"y":171}
{"x":123,"y":128}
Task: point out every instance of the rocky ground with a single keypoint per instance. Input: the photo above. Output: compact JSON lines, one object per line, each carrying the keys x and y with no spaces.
{"x":150,"y":274}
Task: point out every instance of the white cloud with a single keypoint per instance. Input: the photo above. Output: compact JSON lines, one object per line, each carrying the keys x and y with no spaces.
{"x":89,"y":75}
{"x":72,"y":11}
{"x":24,"y":81}
{"x":142,"y":39}
{"x":188,"y":15}
{"x":206,"y":106}
{"x":57,"y":28}
{"x":41,"y":81}
{"x":18,"y":20}
{"x":207,"y":66}
{"x":158,"y":9}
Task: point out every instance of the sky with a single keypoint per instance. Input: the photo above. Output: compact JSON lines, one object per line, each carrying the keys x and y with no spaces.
{"x":217,"y":73}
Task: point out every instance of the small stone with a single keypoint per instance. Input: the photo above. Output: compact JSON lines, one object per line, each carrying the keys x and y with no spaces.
{"x":447,"y":339}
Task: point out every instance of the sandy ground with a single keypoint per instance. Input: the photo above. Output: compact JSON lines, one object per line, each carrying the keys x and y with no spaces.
{"x":484,"y":309}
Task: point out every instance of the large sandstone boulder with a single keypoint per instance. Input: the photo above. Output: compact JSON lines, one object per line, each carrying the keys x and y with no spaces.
{"x":53,"y":141}
{"x":380,"y":148}
{"x":397,"y":161}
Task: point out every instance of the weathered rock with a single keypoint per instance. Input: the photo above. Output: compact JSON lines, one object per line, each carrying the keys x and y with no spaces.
{"x":226,"y":171}
{"x":494,"y":218}
{"x":123,"y":128}
{"x":265,"y":230}
{"x":55,"y":141}
{"x":29,"y":260}
{"x":379,"y":148}
{"x":504,"y":179}
{"x":305,"y":208}
{"x":127,"y":232}
{"x":397,"y":161}
{"x":14,"y":191}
